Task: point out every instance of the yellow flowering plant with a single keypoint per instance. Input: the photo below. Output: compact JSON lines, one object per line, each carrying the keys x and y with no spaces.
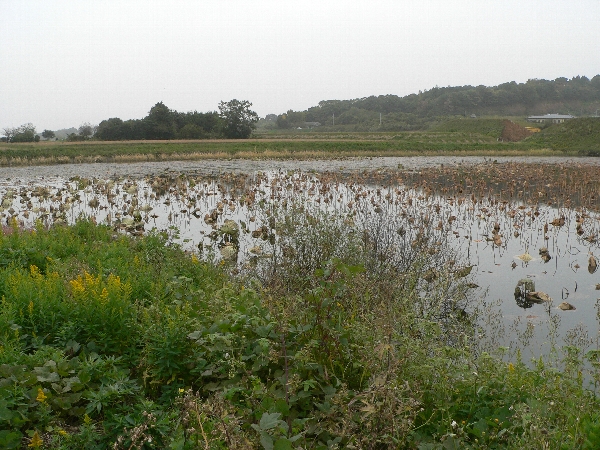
{"x":36,"y":441}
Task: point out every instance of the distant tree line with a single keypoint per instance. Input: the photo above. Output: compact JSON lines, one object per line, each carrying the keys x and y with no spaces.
{"x":578,"y":96}
{"x":234,"y":120}
{"x":24,"y":133}
{"x":84,"y":133}
{"x":27,"y":133}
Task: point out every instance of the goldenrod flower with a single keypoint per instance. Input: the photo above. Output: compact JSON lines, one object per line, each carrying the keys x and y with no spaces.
{"x":89,"y":278}
{"x":63,"y":433}
{"x":92,"y":288}
{"x":41,"y":397}
{"x":78,"y":286}
{"x":36,"y":441}
{"x":511,"y":368}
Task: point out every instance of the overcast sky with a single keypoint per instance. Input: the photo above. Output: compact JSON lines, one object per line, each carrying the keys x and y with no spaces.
{"x":63,"y":63}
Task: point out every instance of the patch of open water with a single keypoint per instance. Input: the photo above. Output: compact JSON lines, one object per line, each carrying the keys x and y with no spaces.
{"x":115,"y":193}
{"x":216,"y":167}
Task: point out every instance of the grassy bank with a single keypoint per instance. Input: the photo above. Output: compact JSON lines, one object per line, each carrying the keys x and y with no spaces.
{"x":488,"y":127}
{"x":298,"y":147}
{"x":578,"y":135}
{"x":453,"y":137}
{"x":342,"y":340}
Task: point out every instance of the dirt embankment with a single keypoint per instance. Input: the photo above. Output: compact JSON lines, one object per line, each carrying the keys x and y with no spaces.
{"x":513,"y":132}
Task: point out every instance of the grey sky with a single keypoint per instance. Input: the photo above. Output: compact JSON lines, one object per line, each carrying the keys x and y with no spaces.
{"x":72,"y":61}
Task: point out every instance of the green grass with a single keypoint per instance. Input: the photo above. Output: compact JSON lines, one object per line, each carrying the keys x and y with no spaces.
{"x":576,"y":135}
{"x":453,"y":137}
{"x":345,"y":145}
{"x":487,"y":127}
{"x":109,"y":341}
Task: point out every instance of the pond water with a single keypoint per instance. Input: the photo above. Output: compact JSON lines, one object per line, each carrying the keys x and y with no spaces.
{"x":216,"y":167}
{"x":503,"y":240}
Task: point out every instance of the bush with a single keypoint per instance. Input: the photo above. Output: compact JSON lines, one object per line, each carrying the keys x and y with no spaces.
{"x":115,"y":342}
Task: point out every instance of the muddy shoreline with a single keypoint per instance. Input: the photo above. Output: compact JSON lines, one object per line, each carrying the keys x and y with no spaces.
{"x":219,"y":166}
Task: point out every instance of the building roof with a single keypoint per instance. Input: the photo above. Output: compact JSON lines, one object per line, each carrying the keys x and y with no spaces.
{"x":553,"y":116}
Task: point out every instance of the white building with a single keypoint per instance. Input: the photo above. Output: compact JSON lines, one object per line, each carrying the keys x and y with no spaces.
{"x":554,"y":118}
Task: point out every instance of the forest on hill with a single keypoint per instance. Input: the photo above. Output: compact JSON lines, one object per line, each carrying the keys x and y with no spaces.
{"x":428,"y":110}
{"x":579,"y":96}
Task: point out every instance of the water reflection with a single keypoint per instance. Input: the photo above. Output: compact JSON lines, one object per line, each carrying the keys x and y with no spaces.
{"x":518,"y":242}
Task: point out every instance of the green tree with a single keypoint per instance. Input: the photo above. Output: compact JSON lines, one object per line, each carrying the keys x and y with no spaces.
{"x":24,"y":133}
{"x":74,"y":137}
{"x":9,"y":133}
{"x":135,"y":129}
{"x":111,"y":130}
{"x":190,"y":131}
{"x":161,"y":122}
{"x":238,"y":119}
{"x":282,"y":121}
{"x":595,"y":82}
{"x":355,"y":116}
{"x":197,"y":125}
{"x":86,"y":130}
{"x":48,"y":134}
{"x":291,"y":119}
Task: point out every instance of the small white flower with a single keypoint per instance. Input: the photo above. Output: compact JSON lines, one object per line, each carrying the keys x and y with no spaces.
{"x":454,"y":424}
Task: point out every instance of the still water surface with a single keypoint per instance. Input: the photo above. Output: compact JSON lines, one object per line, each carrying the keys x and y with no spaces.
{"x":497,"y":268}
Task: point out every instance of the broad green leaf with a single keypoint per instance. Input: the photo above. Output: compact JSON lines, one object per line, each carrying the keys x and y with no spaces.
{"x":282,"y":406}
{"x":5,"y":414}
{"x":10,"y":439}
{"x":266,"y":441}
{"x":269,"y":420}
{"x":283,"y":444}
{"x":48,"y":377}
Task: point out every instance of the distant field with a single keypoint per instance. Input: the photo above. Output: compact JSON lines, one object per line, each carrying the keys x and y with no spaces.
{"x":489,"y":127}
{"x":455,"y":137}
{"x":313,"y":146}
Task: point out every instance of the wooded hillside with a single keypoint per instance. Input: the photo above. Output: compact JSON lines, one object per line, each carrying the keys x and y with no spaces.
{"x":579,"y":96}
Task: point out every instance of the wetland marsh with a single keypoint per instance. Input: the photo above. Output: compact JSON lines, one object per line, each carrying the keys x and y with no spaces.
{"x":510,"y":218}
{"x":402,"y":301}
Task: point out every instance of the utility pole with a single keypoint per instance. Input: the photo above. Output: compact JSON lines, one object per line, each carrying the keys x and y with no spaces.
{"x":334,"y":118}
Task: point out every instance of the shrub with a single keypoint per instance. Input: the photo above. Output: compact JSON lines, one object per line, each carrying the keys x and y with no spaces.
{"x":115,"y":342}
